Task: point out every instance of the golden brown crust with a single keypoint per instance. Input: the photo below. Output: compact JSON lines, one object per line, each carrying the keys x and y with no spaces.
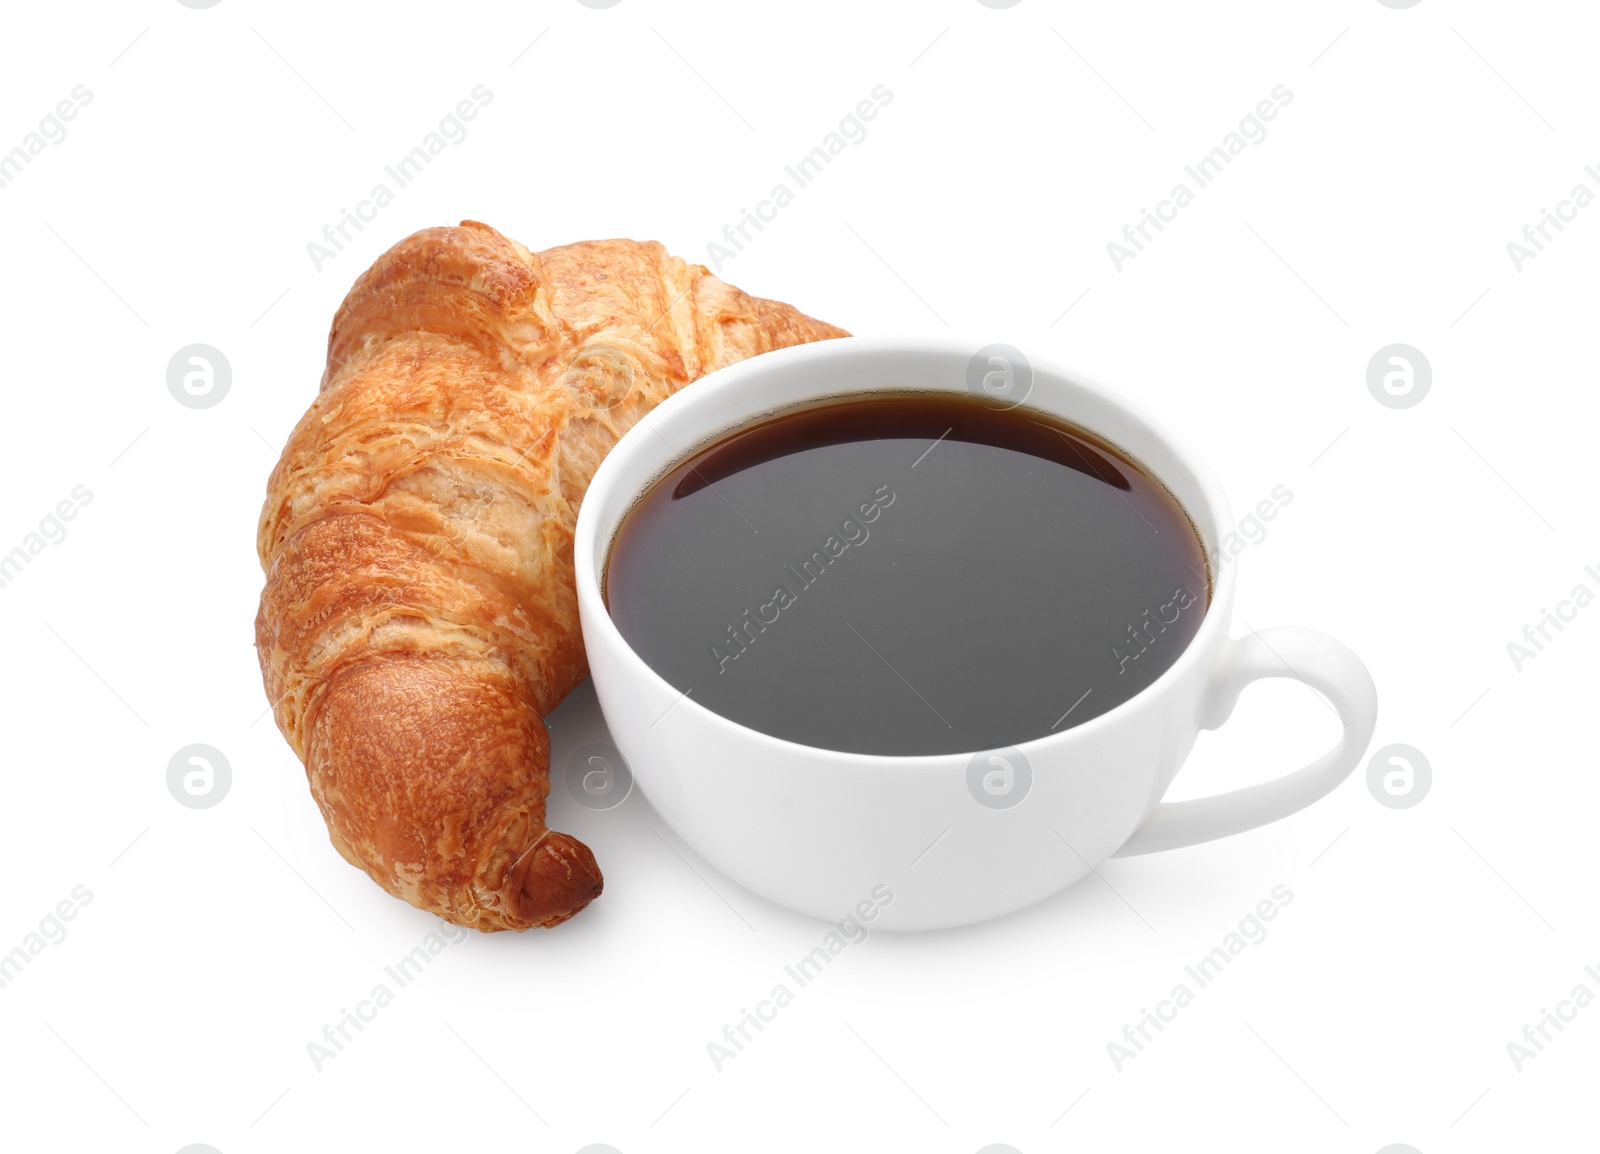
{"x":419,"y":615}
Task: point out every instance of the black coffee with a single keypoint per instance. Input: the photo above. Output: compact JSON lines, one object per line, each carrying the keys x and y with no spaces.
{"x":908,"y":574}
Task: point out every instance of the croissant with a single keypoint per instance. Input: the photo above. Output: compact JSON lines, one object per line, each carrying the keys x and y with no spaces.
{"x":420,"y":615}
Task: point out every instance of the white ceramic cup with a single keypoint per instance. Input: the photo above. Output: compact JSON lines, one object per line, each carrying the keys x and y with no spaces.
{"x":954,"y":838}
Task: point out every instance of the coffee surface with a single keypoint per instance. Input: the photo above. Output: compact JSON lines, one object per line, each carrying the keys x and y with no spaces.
{"x":908,"y":573}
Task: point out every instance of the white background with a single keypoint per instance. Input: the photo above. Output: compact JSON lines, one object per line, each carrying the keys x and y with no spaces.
{"x":1419,"y":942}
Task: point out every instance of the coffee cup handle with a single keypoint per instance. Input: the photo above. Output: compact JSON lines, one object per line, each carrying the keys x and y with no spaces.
{"x":1317,"y":660}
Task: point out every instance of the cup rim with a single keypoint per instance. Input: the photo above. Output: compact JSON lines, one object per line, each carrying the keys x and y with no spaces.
{"x":729,"y":380}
